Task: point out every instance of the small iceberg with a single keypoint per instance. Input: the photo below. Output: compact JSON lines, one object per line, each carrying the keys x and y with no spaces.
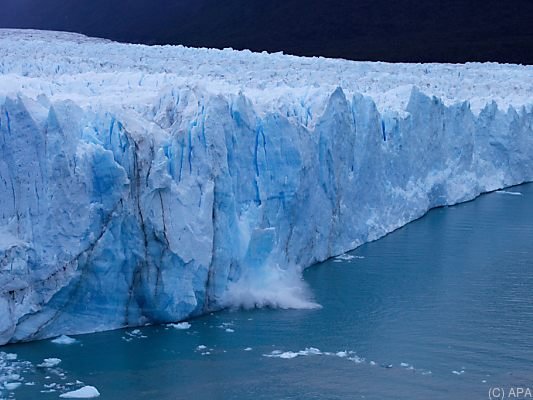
{"x":180,"y":326}
{"x":345,"y":257}
{"x":49,"y":362}
{"x":86,"y":392}
{"x":64,"y":339}
{"x":287,"y":355}
{"x":458,"y":372}
{"x":12,"y":385}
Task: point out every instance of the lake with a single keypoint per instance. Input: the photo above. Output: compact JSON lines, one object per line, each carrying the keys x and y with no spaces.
{"x":440,"y":309}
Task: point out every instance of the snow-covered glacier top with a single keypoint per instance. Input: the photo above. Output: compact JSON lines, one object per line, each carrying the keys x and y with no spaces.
{"x":151,"y":184}
{"x":90,"y":71}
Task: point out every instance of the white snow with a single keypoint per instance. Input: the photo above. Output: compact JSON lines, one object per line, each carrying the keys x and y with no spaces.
{"x":86,"y":392}
{"x":91,"y":71}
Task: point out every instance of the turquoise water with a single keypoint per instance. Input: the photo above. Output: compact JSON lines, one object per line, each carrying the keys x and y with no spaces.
{"x":440,"y":309}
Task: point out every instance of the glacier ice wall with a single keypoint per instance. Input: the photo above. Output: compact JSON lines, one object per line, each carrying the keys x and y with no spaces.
{"x":110,"y":222}
{"x":113,"y":217}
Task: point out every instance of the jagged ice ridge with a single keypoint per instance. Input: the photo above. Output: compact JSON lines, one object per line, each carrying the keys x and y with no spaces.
{"x":151,"y":184}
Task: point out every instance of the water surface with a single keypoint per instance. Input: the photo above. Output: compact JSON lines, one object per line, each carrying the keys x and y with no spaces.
{"x":439,"y":309}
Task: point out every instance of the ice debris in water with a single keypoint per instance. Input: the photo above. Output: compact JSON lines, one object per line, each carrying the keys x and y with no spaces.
{"x":458,"y":372}
{"x":345,"y":257}
{"x":135,"y":334}
{"x":290,"y":354}
{"x":64,"y":339}
{"x":49,"y":362}
{"x":180,"y":326}
{"x":344,"y":354}
{"x":509,"y":193}
{"x":11,"y":370}
{"x":12,"y":385}
{"x":86,"y":392}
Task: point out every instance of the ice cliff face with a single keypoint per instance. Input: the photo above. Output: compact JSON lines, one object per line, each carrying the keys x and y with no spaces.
{"x":147,"y":185}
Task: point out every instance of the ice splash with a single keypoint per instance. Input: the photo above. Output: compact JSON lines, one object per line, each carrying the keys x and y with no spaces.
{"x":274,"y":287}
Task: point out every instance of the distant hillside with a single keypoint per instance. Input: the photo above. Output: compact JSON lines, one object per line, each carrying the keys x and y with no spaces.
{"x":387,"y":30}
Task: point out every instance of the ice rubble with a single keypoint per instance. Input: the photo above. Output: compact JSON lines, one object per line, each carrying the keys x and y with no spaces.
{"x":150,"y":184}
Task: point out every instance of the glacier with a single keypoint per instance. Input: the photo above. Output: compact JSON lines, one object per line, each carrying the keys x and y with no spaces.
{"x":143,"y":185}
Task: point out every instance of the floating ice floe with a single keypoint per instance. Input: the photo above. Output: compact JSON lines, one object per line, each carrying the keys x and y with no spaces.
{"x":64,"y":339}
{"x":49,"y":362}
{"x":347,"y":355}
{"x":458,"y":372}
{"x":229,"y":330}
{"x":407,"y":366}
{"x":291,"y":354}
{"x":345,"y":257}
{"x":509,"y":193}
{"x":135,"y":334}
{"x":86,"y":392}
{"x":12,"y":385}
{"x":180,"y":326}
{"x":248,"y":349}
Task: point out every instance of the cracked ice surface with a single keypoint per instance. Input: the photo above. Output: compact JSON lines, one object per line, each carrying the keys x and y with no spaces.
{"x":150,"y":184}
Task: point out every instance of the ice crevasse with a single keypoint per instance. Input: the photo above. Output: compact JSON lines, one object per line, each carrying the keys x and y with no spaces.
{"x":151,"y":184}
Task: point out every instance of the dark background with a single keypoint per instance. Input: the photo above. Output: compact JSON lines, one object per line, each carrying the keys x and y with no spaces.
{"x":386,"y":30}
